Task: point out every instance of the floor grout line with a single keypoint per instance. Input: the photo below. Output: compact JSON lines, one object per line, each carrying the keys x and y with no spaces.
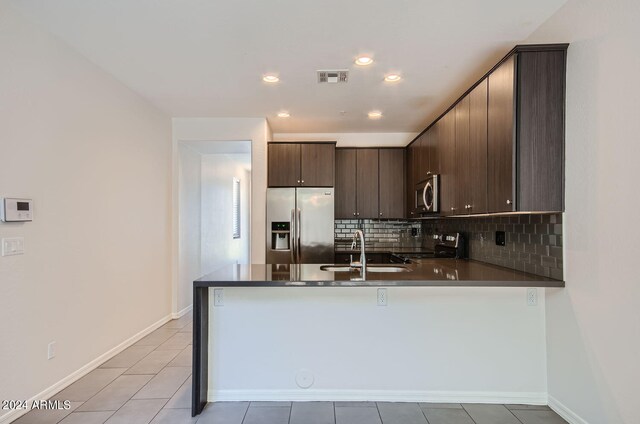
{"x":465,"y":410}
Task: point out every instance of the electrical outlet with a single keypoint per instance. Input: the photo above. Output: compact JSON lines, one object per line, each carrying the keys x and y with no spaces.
{"x":218,"y":297}
{"x":382,"y":297}
{"x":51,"y":350}
{"x":532,"y":296}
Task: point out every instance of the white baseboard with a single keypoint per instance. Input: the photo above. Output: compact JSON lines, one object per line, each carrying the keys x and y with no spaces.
{"x":566,"y":413}
{"x":182,"y":313}
{"x":76,"y":375}
{"x":530,"y":398}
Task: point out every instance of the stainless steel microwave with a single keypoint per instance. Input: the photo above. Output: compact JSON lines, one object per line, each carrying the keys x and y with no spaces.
{"x":427,"y":196}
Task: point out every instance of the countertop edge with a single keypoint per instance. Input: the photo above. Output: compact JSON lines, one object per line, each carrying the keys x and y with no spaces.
{"x":383,"y":283}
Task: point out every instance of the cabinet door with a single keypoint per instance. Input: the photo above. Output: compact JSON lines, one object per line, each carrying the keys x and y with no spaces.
{"x":345,"y":191}
{"x":391,"y":183}
{"x":540,"y":164}
{"x":447,"y":148}
{"x":462,"y":172}
{"x":432,"y":150}
{"x":317,"y":164}
{"x":478,"y":149}
{"x":422,"y":158}
{"x":409,"y":180}
{"x":501,"y":140}
{"x":284,"y":165}
{"x":367,"y":183}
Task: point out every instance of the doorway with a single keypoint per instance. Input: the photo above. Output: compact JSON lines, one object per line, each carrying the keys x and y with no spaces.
{"x":214,"y":209}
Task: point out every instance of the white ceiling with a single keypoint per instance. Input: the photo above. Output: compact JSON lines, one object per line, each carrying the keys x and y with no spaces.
{"x":205,"y":58}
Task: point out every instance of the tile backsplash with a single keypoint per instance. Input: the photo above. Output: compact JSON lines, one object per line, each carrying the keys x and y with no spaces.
{"x":533,"y":243}
{"x":380,"y":235}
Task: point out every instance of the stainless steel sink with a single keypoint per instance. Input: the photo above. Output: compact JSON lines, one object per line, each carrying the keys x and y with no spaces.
{"x":370,"y":268}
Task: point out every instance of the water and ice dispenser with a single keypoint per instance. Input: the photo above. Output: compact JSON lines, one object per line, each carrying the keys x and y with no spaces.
{"x":280,"y":235}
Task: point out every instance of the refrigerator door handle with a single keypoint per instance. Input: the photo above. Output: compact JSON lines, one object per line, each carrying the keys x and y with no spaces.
{"x":292,"y":233}
{"x":298,"y":235}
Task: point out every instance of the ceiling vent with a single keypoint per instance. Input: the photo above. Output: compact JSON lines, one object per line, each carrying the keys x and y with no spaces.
{"x":333,"y":77}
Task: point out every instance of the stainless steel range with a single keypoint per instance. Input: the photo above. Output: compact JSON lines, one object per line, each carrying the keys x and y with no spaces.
{"x":447,"y":245}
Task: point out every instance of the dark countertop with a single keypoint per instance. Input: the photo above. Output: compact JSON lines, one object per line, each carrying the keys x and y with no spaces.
{"x":425,"y":272}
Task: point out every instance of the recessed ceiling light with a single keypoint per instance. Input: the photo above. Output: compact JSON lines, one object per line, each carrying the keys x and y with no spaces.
{"x":283,"y":115}
{"x":375,"y":114}
{"x":270,"y":78}
{"x":364,"y":60}
{"x":392,"y":78}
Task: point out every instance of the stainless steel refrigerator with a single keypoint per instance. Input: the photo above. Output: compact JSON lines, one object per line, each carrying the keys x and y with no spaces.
{"x":300,"y":225}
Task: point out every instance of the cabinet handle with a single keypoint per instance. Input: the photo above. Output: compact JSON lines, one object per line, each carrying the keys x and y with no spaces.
{"x":508,"y":202}
{"x":302,"y":181}
{"x":380,"y":213}
{"x":354,"y":214}
{"x":358,"y":214}
{"x":298,"y":181}
{"x":452,"y":208}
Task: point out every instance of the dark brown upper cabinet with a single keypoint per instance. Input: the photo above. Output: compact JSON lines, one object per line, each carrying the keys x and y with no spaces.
{"x":526,"y":131}
{"x":447,"y":147}
{"x":501,"y":142}
{"x":410,"y":180}
{"x":301,"y":164}
{"x":391,"y":177}
{"x":540,"y":130}
{"x":317,"y":164}
{"x":500,"y":147}
{"x":431,"y":149}
{"x":463,"y":181}
{"x":367,"y":183}
{"x":370,"y":183}
{"x":284,"y":165}
{"x":476,"y":199}
{"x":345,"y":191}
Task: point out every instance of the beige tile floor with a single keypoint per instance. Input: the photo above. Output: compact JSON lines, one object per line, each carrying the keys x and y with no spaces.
{"x":150,"y":382}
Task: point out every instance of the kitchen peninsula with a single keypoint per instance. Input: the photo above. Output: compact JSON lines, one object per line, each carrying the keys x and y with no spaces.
{"x":423,"y":273}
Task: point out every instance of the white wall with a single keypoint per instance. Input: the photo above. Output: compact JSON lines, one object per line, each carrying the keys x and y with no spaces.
{"x":428,"y":344}
{"x":190,"y":224}
{"x":593,"y":325}
{"x":352,"y":139}
{"x":218,"y":246}
{"x":96,"y":159}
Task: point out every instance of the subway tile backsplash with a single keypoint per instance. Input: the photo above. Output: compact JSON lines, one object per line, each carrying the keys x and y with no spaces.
{"x":533,"y":243}
{"x":380,"y":235}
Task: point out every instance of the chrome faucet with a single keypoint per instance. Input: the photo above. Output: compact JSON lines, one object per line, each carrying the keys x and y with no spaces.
{"x":362,"y":264}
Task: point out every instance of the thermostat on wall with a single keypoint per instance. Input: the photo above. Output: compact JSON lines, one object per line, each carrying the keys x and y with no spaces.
{"x":16,"y":210}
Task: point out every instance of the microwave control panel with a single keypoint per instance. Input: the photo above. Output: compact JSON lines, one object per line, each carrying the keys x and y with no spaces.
{"x":16,"y":210}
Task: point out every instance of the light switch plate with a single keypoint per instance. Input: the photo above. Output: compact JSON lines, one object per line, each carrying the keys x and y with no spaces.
{"x":13,"y":246}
